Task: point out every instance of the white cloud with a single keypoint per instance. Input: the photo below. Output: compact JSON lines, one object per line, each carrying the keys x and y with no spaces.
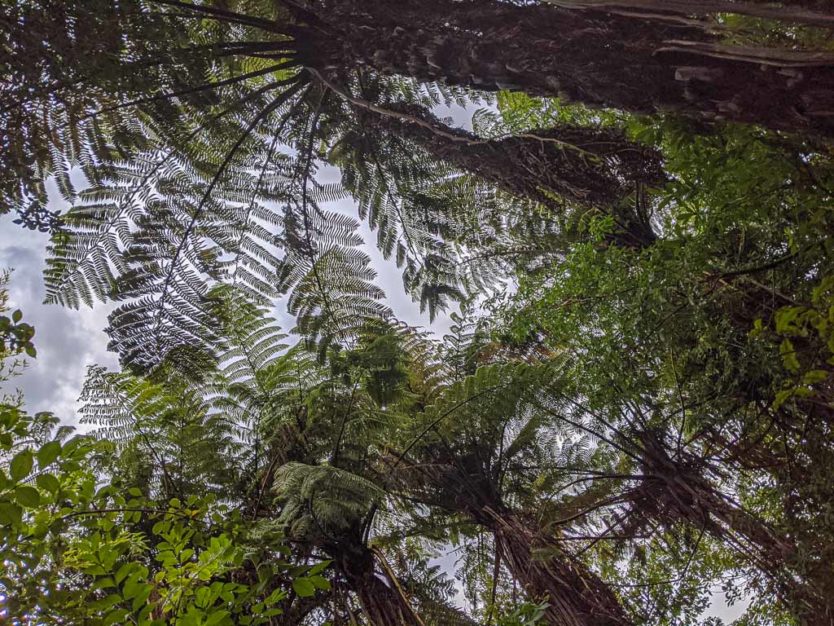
{"x":67,"y":341}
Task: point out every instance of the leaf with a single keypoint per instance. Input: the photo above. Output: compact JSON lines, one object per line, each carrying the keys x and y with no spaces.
{"x":303,"y":587}
{"x":141,"y":596}
{"x":786,"y":320}
{"x":27,"y":496}
{"x":319,"y":567}
{"x":788,"y":352}
{"x":10,"y":514}
{"x":21,"y":465}
{"x":115,"y":617}
{"x":275,"y":597}
{"x":813,"y":377}
{"x":106,"y":582}
{"x":48,"y":453}
{"x":123,"y":571}
{"x":106,"y":603}
{"x":48,"y":482}
{"x":216,"y":618}
{"x":320,"y":582}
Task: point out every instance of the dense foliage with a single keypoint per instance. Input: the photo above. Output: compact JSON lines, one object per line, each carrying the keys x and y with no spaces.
{"x":632,"y":414}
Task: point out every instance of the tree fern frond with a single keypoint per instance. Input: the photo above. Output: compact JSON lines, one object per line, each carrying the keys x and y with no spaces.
{"x":323,"y":502}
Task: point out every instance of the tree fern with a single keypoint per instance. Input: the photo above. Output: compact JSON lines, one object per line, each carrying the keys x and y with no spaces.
{"x":163,"y":432}
{"x":322,"y":503}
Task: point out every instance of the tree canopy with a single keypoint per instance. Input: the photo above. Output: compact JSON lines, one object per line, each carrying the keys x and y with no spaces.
{"x":631,"y":415}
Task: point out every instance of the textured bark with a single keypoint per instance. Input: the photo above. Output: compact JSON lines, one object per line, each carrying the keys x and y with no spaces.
{"x":381,"y":604}
{"x":769,"y":551}
{"x":595,"y":167}
{"x":597,"y":57}
{"x":677,"y":491}
{"x":808,"y":12}
{"x":576,"y":596}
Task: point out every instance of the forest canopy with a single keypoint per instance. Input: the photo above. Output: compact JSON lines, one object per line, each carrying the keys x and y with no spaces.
{"x":631,"y":416}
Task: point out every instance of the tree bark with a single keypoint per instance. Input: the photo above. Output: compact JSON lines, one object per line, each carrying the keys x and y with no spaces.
{"x":809,"y":12}
{"x":597,"y":57}
{"x":383,"y":605}
{"x":596,"y":167}
{"x":575,"y":595}
{"x":677,"y":491}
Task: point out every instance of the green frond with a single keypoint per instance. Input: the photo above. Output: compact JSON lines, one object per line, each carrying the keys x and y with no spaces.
{"x":323,"y":502}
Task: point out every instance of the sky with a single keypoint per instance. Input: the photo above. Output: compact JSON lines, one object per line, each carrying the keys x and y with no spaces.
{"x":68,"y":341}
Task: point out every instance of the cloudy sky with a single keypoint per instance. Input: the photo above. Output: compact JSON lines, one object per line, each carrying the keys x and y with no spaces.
{"x":69,"y":340}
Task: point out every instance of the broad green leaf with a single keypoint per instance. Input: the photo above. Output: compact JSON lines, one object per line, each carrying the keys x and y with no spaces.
{"x":320,"y":582}
{"x":117,"y":616}
{"x":27,"y":496}
{"x":303,"y":587}
{"x":216,"y":618}
{"x":48,"y":453}
{"x":48,"y":482}
{"x":10,"y":514}
{"x":123,"y":571}
{"x":21,"y":465}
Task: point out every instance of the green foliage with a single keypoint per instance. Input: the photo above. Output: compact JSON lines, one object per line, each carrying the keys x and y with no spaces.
{"x":714,"y":334}
{"x":15,"y":335}
{"x":813,"y":326}
{"x":126,"y":527}
{"x":80,"y":550}
{"x":524,"y":615}
{"x":632,"y":409}
{"x":164,"y":435}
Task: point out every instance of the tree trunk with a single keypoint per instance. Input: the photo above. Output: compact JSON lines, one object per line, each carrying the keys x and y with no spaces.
{"x":595,"y":167}
{"x":799,"y":11}
{"x":677,"y":491}
{"x":382,"y":604}
{"x":590,"y":166}
{"x":806,"y":597}
{"x":596,"y":57}
{"x":575,"y":595}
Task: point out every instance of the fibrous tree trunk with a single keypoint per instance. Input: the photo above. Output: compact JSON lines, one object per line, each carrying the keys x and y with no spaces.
{"x":383,"y":604}
{"x":575,"y":595}
{"x":595,"y":56}
{"x":754,"y":541}
{"x":595,"y":167}
{"x":809,"y":12}
{"x":675,"y":489}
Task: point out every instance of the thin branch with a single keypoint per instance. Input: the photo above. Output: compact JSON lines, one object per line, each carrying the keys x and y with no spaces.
{"x":191,"y":90}
{"x":224,"y":15}
{"x":405,"y":117}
